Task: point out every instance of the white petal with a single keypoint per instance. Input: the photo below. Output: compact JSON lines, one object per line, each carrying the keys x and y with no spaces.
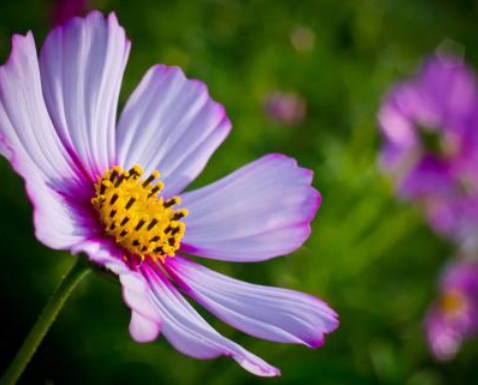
{"x":28,"y":138}
{"x":136,"y":292}
{"x":189,"y":333}
{"x":258,"y":212}
{"x":82,"y":65}
{"x":54,"y":181}
{"x":272,"y":313}
{"x":171,"y":124}
{"x":143,"y":329}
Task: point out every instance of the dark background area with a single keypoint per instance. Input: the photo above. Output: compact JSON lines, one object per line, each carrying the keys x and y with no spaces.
{"x":371,"y":257}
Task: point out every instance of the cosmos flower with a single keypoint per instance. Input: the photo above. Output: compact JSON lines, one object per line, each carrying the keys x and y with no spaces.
{"x":430,"y":127}
{"x":95,"y":189}
{"x":286,"y":108}
{"x":454,"y":318}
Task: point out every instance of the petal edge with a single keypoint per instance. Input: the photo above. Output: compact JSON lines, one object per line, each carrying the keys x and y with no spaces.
{"x":261,"y":211}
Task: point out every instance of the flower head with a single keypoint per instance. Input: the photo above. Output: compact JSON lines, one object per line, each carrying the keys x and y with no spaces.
{"x":95,"y":187}
{"x":430,"y":127}
{"x":285,"y":108}
{"x":454,"y":318}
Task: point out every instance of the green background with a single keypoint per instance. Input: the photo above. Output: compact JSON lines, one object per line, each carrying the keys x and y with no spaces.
{"x":370,"y":256}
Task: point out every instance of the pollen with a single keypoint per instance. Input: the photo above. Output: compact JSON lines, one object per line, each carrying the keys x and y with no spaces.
{"x":136,"y":216}
{"x":453,"y":303}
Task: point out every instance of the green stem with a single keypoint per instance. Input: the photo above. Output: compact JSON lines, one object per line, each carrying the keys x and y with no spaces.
{"x":78,"y":271}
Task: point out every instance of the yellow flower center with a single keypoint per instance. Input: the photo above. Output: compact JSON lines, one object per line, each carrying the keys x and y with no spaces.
{"x":141,"y":222}
{"x":453,"y":303}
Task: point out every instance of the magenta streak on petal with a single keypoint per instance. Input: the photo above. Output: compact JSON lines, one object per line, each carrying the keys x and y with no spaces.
{"x":275,"y":314}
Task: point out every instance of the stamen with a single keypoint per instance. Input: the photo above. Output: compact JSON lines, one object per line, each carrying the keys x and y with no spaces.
{"x":159,"y":186}
{"x":171,"y":202}
{"x":114,"y":199}
{"x":178,"y":216}
{"x":139,"y":225}
{"x":130,"y":203}
{"x":120,"y":180}
{"x":152,"y":224}
{"x":154,"y":175}
{"x":146,"y":226}
{"x":136,"y":171}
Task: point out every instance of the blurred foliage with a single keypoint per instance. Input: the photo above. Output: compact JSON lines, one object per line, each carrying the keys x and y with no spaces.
{"x":371,"y":257}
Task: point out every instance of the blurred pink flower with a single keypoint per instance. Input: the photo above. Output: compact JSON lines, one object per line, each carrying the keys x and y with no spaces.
{"x":454,"y":318}
{"x":430,"y":130}
{"x":58,"y":129}
{"x":285,"y":108}
{"x":63,"y":10}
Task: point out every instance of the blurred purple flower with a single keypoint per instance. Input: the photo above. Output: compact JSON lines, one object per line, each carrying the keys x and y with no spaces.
{"x":285,"y":108}
{"x":93,"y":183}
{"x":430,"y":127}
{"x":63,"y":10}
{"x":454,"y":318}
